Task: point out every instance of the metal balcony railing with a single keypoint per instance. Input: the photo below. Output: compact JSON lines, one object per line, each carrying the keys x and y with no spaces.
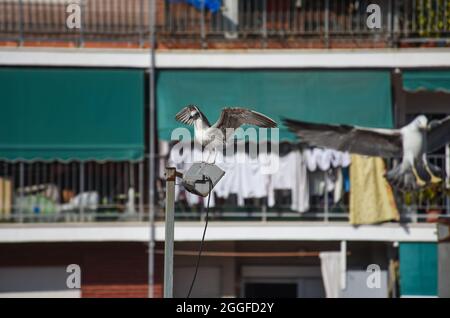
{"x":117,"y":191}
{"x":71,"y":192}
{"x":238,"y":23}
{"x":47,"y":21}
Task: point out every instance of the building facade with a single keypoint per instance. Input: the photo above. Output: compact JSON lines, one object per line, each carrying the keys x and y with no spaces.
{"x":76,"y":134}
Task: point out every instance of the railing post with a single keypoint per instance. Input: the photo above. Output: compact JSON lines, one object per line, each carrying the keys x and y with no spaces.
{"x":141,"y":23}
{"x":447,"y":179}
{"x":141,"y":190}
{"x":326,"y":203}
{"x":21,"y":185}
{"x":264,"y":24}
{"x":81,"y":34}
{"x":264,"y":213}
{"x":83,"y":199}
{"x":202,"y":26}
{"x":389,"y":24}
{"x":396,"y":22}
{"x":327,"y":23}
{"x":21,"y":22}
{"x":131,"y":208}
{"x":445,"y":16}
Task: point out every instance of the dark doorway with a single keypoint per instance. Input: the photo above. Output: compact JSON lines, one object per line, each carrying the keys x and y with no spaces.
{"x":277,"y":290}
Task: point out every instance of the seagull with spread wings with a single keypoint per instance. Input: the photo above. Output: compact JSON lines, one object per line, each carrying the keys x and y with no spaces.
{"x":411,"y":143}
{"x":216,"y":136}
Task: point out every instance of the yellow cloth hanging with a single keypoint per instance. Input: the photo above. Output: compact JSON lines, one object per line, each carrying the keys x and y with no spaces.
{"x":371,"y":197}
{"x":5,"y":198}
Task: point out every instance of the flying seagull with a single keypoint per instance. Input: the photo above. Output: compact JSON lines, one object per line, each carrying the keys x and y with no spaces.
{"x":411,"y":142}
{"x":216,"y":136}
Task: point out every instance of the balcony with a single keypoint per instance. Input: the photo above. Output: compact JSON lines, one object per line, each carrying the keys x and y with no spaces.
{"x":39,"y":192}
{"x":236,"y":24}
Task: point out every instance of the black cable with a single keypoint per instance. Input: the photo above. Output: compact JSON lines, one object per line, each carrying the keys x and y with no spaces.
{"x":201,"y":242}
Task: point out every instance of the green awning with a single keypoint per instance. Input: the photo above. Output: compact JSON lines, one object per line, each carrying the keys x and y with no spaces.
{"x":71,"y":114}
{"x":426,"y":80}
{"x":418,"y":269}
{"x":334,"y":96}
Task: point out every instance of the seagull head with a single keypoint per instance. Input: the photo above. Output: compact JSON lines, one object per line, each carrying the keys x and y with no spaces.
{"x":421,"y":122}
{"x":194,"y":112}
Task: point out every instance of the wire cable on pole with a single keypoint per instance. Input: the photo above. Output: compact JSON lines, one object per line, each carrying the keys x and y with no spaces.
{"x":201,"y":242}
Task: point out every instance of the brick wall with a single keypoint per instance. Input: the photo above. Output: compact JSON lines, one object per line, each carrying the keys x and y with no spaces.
{"x":107,"y":269}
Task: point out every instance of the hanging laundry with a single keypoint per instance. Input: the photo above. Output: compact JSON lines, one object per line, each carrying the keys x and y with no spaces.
{"x":346,"y":176}
{"x":324,"y":159}
{"x":5,"y":197}
{"x":248,"y":178}
{"x":291,"y":175}
{"x":330,"y":265}
{"x":243,"y":177}
{"x":210,"y":5}
{"x":338,"y":186}
{"x":371,"y":197}
{"x":253,"y":183}
{"x":230,"y":182}
{"x":321,"y":182}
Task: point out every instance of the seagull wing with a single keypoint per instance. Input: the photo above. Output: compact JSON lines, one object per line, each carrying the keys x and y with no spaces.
{"x":184,"y":115}
{"x":235,"y":117}
{"x":439,"y":134}
{"x":358,"y":140}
